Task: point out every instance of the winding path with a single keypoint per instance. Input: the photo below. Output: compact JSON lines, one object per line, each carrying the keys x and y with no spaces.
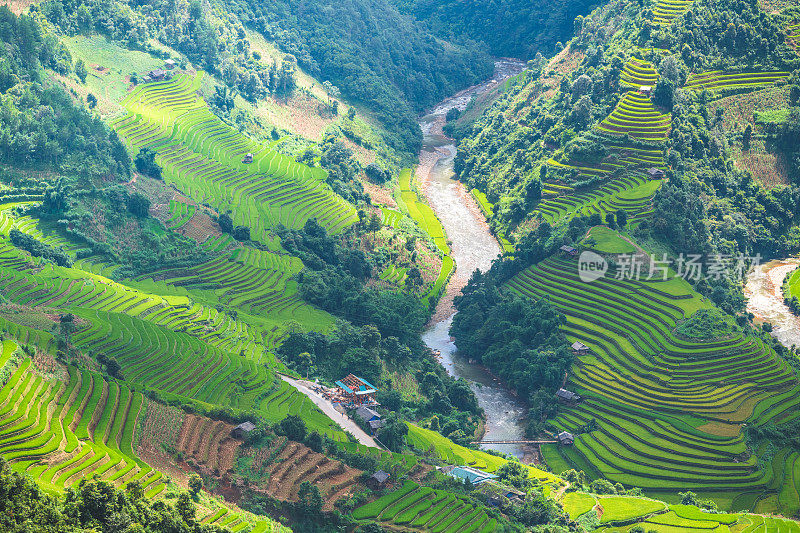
{"x":344,"y":421}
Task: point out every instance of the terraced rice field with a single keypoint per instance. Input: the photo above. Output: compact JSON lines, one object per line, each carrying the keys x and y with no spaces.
{"x":668,"y":410}
{"x":169,"y":344}
{"x":426,"y":509}
{"x":633,"y":134}
{"x":180,"y":213}
{"x":253,"y":280}
{"x":638,"y":73}
{"x":34,"y":228}
{"x":426,"y":440}
{"x":280,"y":469}
{"x":60,"y":432}
{"x":666,"y":11}
{"x":793,"y":34}
{"x":393,"y":274}
{"x":203,"y":157}
{"x":423,"y":215}
{"x":636,"y":116}
{"x":719,"y":81}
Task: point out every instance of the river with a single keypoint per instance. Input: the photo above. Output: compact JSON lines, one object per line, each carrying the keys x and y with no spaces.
{"x":764,"y":294}
{"x":473,"y":247}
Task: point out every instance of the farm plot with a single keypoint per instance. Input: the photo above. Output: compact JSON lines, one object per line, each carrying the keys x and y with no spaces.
{"x":426,"y":509}
{"x":719,"y":81}
{"x":180,"y":214}
{"x":426,"y":219}
{"x":171,"y":344}
{"x":280,"y":468}
{"x":61,"y":432}
{"x":253,"y":280}
{"x":638,"y":73}
{"x":636,"y":116}
{"x":633,"y":135}
{"x":205,"y":157}
{"x":426,"y":440}
{"x":667,"y":410}
{"x":666,"y":11}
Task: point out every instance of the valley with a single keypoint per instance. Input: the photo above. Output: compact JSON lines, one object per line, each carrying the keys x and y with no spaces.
{"x":350,"y":267}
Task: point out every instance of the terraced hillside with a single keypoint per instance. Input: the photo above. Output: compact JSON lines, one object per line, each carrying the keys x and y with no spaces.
{"x":427,"y":441}
{"x":204,"y":157}
{"x":668,"y":410}
{"x":666,"y":11}
{"x":279,"y":470}
{"x":421,"y":213}
{"x":61,"y":431}
{"x":170,"y":344}
{"x":426,"y":509}
{"x":719,"y":81}
{"x":635,"y":115}
{"x":638,"y":73}
{"x":255,"y":281}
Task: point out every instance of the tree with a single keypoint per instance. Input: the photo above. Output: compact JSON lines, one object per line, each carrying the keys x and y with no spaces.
{"x":688,"y":498}
{"x":310,"y":500}
{"x":664,"y":94}
{"x":186,"y":507}
{"x":414,"y":279}
{"x":91,"y":100}
{"x":610,"y":220}
{"x":145,"y":163}
{"x":226,"y":223}
{"x":393,"y":432}
{"x":241,"y":233}
{"x":195,"y":484}
{"x":293,"y":427}
{"x":622,"y":218}
{"x":113,"y":367}
{"x":139,"y":205}
{"x":80,"y":70}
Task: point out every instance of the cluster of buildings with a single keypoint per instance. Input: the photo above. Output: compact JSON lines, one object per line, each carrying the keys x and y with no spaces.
{"x":160,"y":74}
{"x":351,"y":392}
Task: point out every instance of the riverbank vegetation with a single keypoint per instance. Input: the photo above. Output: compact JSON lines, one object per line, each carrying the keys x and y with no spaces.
{"x":578,"y":143}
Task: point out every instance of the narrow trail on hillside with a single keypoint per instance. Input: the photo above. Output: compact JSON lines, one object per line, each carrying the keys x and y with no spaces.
{"x":473,"y":247}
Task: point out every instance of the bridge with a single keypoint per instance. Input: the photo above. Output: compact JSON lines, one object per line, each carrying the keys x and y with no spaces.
{"x":514,"y":442}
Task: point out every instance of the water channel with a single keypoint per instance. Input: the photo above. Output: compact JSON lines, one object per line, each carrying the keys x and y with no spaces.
{"x":473,"y":247}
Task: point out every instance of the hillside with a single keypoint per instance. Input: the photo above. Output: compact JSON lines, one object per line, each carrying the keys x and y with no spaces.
{"x":228,"y":246}
{"x":631,"y":128}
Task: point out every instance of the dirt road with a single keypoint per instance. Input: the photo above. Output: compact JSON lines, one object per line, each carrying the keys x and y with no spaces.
{"x":346,"y":423}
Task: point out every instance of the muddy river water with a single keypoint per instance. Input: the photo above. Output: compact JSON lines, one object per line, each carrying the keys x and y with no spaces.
{"x":763,"y":290}
{"x":473,"y":247}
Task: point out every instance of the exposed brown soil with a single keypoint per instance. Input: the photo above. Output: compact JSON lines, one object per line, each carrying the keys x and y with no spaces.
{"x":281,"y":476}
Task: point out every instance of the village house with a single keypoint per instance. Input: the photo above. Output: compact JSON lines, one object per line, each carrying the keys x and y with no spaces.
{"x":655,"y":173}
{"x":248,"y":158}
{"x":567,"y":397}
{"x":378,"y":480}
{"x":356,"y":391}
{"x":568,"y":250}
{"x":566,"y":439}
{"x":473,"y":475}
{"x":646,"y":90}
{"x":169,"y":64}
{"x":579,"y":348}
{"x":243,"y":430}
{"x":370,"y":417}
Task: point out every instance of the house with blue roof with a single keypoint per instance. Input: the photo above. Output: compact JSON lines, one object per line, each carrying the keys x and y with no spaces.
{"x":356,"y":390}
{"x":473,"y":475}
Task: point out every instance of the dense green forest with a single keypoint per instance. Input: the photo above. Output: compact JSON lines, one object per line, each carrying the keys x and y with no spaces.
{"x":376,"y":56}
{"x":510,"y":28}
